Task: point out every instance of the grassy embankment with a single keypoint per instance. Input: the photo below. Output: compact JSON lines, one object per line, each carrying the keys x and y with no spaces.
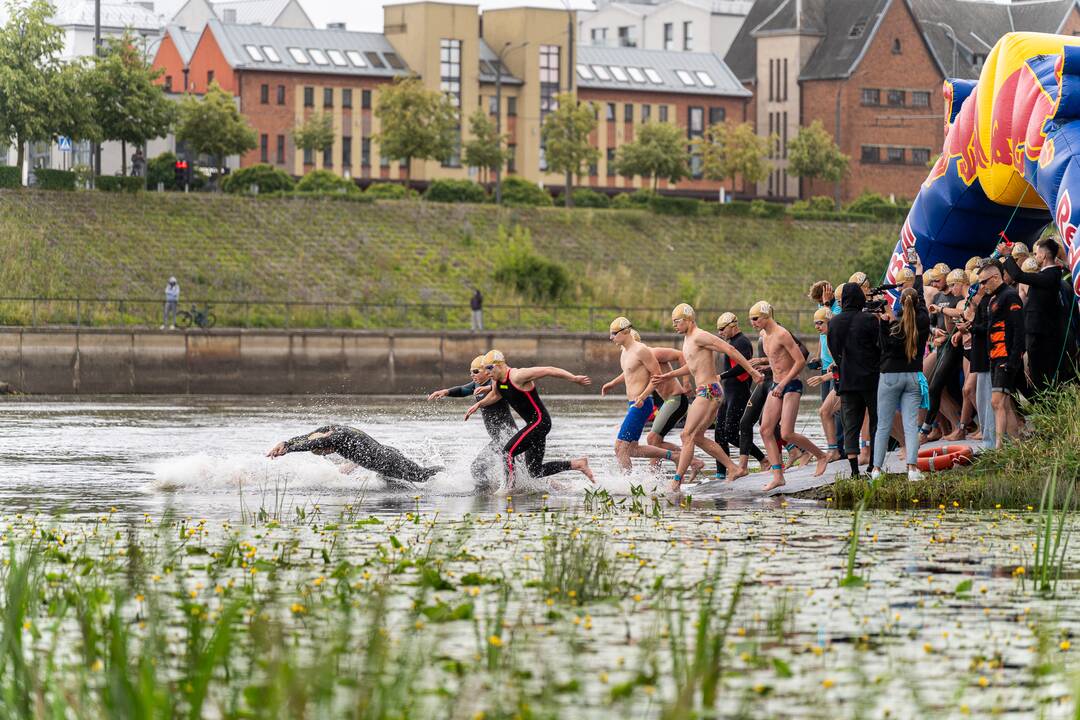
{"x":1013,"y":477}
{"x":400,"y":252}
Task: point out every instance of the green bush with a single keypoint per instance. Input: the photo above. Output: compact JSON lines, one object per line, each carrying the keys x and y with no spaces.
{"x":636,"y":199}
{"x":45,"y":179}
{"x":666,"y":205}
{"x":889,"y":213}
{"x":389,"y":191}
{"x":822,"y":203}
{"x":586,"y":198}
{"x":518,"y":266}
{"x":267,"y":177}
{"x":327,"y":182}
{"x":830,"y":215}
{"x":864,"y":202}
{"x":119,"y":183}
{"x":10,"y":177}
{"x":760,"y":208}
{"x":733,"y":208}
{"x":455,"y":191}
{"x":162,"y":169}
{"x":517,"y":191}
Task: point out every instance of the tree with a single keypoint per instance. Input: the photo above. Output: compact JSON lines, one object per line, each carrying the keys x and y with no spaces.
{"x":316,"y":133}
{"x":29,"y":70}
{"x":74,"y":111}
{"x":658,"y":151}
{"x":813,"y":154}
{"x":416,"y":123}
{"x":485,"y":149}
{"x":214,"y":126}
{"x":131,"y":107}
{"x":734,"y":150}
{"x":565,"y":136}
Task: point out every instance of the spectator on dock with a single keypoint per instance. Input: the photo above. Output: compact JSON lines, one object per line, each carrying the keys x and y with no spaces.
{"x":172,"y":299}
{"x":1006,"y":340}
{"x":476,"y":304}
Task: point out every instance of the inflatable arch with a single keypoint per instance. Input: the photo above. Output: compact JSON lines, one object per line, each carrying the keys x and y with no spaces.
{"x":1012,"y":152}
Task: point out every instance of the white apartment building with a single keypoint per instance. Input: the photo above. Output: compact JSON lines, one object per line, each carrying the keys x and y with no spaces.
{"x":679,"y":25}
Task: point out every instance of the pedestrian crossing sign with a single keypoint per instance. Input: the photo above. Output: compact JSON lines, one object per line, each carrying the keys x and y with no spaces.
{"x":63,"y":144}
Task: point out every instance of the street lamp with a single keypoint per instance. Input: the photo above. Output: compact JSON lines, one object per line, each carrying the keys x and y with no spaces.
{"x":953,"y":34}
{"x":506,"y":50}
{"x":569,"y":84}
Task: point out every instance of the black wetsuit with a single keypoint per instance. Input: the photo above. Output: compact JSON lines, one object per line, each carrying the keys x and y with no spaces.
{"x":500,"y":426}
{"x":736,"y":383}
{"x":1044,"y":322}
{"x":530,"y":440}
{"x":752,"y":413}
{"x":362,"y":449}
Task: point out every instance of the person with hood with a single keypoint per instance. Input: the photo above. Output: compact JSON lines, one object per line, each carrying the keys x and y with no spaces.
{"x":853,"y":340}
{"x":172,"y":299}
{"x":1044,"y":315}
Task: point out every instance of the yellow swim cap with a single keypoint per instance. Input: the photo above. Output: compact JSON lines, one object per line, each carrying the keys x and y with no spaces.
{"x":972,"y":263}
{"x":905,"y":275}
{"x":932,"y":275}
{"x":1030,"y":265}
{"x":494,"y":357}
{"x":726,"y":319}
{"x":683,"y":311}
{"x":635,"y":334}
{"x":761,"y":309}
{"x":859,"y":278}
{"x":822,"y":313}
{"x":1020,"y":249}
{"x":973,"y":276}
{"x":619,"y":324}
{"x":477,"y":362}
{"x":943,"y":268}
{"x":956,"y":276}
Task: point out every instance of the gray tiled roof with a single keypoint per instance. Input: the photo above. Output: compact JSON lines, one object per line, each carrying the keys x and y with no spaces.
{"x":783,"y":18}
{"x":251,"y":12}
{"x":665,"y":63}
{"x":741,"y":57}
{"x":233,"y":38}
{"x":489,"y":58}
{"x":113,"y":15}
{"x":849,"y":25}
{"x":184,"y":40}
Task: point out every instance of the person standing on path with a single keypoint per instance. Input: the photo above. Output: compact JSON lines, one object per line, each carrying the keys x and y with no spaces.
{"x":476,"y":304}
{"x":172,"y":299}
{"x":1006,"y":351}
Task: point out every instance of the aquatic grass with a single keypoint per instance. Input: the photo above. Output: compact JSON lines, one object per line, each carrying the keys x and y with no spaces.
{"x":850,"y":579}
{"x":1052,"y":540}
{"x":580,"y":568}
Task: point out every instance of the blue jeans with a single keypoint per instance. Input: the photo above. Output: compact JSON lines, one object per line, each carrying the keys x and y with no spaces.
{"x":984,"y":409}
{"x":898,"y":391}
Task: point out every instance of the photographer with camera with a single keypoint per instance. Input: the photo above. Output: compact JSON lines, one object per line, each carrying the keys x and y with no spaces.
{"x":902,"y":342}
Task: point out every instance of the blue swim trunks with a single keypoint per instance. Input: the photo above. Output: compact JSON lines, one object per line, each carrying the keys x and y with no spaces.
{"x":795,"y":386}
{"x":635,"y":420}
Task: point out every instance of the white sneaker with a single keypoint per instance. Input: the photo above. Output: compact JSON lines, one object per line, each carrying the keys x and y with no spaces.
{"x":915,"y":475}
{"x":172,"y":327}
{"x":875,"y":474}
{"x":162,"y":327}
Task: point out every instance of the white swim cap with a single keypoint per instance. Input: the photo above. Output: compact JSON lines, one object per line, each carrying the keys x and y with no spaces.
{"x":822,"y":313}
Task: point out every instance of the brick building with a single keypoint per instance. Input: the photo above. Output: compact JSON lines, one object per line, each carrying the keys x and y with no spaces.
{"x":281,"y":76}
{"x":871,"y":71}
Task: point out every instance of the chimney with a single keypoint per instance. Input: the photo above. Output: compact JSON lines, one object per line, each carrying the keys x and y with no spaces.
{"x":228,"y":15}
{"x":335,"y":26}
{"x":798,"y":14}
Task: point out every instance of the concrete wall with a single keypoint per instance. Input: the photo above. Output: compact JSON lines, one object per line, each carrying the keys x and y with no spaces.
{"x":66,"y":361}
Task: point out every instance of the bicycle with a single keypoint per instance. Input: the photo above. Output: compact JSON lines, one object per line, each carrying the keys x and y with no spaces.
{"x":202,"y":318}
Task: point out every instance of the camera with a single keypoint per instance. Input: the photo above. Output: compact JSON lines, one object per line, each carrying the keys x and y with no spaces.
{"x":877,"y":303}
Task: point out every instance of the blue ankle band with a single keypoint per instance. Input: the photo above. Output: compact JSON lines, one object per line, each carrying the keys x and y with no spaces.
{"x":864,"y":443}
{"x":831,"y":447}
{"x":668,"y":456}
{"x":719,"y":476}
{"x":777,"y":467}
{"x":789,"y":447}
{"x":678,"y":478}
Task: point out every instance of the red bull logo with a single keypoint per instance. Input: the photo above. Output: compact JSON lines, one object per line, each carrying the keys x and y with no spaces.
{"x":962,"y":142}
{"x":906,"y":241}
{"x":1065,"y":226}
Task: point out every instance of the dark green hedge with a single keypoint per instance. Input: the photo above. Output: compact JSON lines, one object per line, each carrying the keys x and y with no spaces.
{"x":267,"y":177}
{"x":455,"y":191}
{"x":833,"y":216}
{"x":664,"y":205}
{"x":45,"y":179}
{"x":10,"y":177}
{"x":586,"y":198}
{"x":119,"y":183}
{"x":389,"y":191}
{"x":517,"y":191}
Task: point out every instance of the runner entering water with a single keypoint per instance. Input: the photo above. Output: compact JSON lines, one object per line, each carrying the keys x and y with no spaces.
{"x":518,"y":387}
{"x":360,"y":448}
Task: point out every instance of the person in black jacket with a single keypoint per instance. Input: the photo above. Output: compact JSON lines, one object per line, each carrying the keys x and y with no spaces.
{"x":736,"y":383}
{"x":1044,"y":320}
{"x":853,"y":340}
{"x":976,"y":322}
{"x":1006,"y":350}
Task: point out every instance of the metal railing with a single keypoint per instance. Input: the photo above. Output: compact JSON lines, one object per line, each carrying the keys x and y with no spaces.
{"x":147,"y":313}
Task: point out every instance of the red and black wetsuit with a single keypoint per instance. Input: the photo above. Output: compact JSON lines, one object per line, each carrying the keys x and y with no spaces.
{"x":531,"y":439}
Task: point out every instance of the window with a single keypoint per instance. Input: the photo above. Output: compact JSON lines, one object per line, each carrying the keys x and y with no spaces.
{"x":309,"y":156}
{"x":298,"y":56}
{"x":511,"y":106}
{"x":628,"y":36}
{"x":264,"y":148}
{"x":646,"y":111}
{"x":772,"y":79}
{"x":280,"y":94}
{"x":920,"y":156}
{"x":785,"y":82}
{"x":858,"y":27}
{"x":271,"y":54}
{"x":610,"y":114}
{"x":663,"y":113}
{"x":318,"y":56}
{"x":717,"y":115}
{"x":264,"y":94}
{"x":895,"y":154}
{"x":493,"y":105}
{"x":280,"y":150}
{"x":594,"y":169}
{"x":870,"y":154}
{"x":394,"y":61}
{"x":511,"y":153}
{"x":601,"y":72}
{"x":920,"y":98}
{"x":450,"y":69}
{"x":870,"y":96}
{"x":697,"y":122}
{"x":346,"y":151}
{"x":669,"y":36}
{"x":687,"y":35}
{"x":618,"y":73}
{"x":346,"y":98}
{"x":654,"y":77}
{"x":365,"y":152}
{"x":374,"y":59}
{"x":328,"y":97}
{"x":628,"y":112}
{"x":337,"y":58}
{"x":309,"y":97}
{"x":635,"y":74}
{"x":365,"y":99}
{"x":209,"y":78}
{"x":704,"y":78}
{"x":168,"y":83}
{"x":549,"y":79}
{"x":584,"y":73}
{"x":384,"y":161}
{"x":687,"y":78}
{"x":598,"y":36}
{"x":328,"y":156}
{"x":783,"y":142}
{"x":611,"y":162}
{"x":896,"y":98}
{"x":356,"y":58}
{"x":896,"y":46}
{"x":253,"y":53}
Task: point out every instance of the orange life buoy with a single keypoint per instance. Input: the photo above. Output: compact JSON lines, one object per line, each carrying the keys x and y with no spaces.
{"x":944,"y":458}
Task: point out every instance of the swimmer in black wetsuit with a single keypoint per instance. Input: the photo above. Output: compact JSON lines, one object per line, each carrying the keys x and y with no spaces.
{"x":517,"y":387}
{"x":498,"y":421}
{"x":360,"y":448}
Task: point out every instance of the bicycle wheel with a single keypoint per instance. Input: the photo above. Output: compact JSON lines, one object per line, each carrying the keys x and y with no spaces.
{"x":183,"y":319}
{"x":209,"y":320}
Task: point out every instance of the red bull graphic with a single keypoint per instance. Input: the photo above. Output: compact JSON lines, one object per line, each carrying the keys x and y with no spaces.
{"x":1011,"y":151}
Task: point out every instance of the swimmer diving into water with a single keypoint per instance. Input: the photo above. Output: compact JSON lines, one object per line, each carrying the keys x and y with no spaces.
{"x":360,"y":448}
